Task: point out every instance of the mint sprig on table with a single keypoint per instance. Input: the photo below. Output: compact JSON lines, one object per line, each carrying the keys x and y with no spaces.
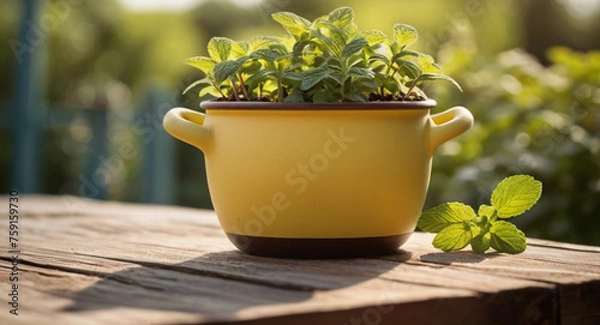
{"x":458,"y":225}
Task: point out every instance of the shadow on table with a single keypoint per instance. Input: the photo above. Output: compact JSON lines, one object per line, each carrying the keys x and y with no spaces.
{"x":448,"y":258}
{"x":222,"y":283}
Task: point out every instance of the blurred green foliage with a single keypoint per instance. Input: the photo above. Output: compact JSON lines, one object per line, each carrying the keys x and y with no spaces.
{"x":531,"y":118}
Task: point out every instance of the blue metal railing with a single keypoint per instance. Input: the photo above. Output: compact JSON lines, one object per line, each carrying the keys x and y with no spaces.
{"x":28,"y":124}
{"x":26,"y":109}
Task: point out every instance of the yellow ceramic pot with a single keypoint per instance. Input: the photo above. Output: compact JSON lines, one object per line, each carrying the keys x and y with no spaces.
{"x":318,"y":180}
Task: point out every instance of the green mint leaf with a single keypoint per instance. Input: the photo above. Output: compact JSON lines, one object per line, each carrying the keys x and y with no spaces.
{"x":427,"y":63}
{"x":356,"y":97}
{"x":392,"y":86}
{"x":251,"y":68}
{"x":269,"y":55}
{"x":261,"y":42}
{"x":361,"y":73}
{"x":327,"y":46}
{"x":486,"y":210}
{"x":322,"y":96}
{"x":338,"y":77}
{"x":243,"y":47}
{"x":408,"y":67}
{"x":242,"y":60}
{"x":292,"y":75}
{"x":482,"y":223}
{"x":224,"y":70}
{"x":204,"y":82}
{"x":405,"y":35}
{"x":481,"y":243}
{"x":219,"y":48}
{"x":515,"y":195}
{"x":299,"y":47}
{"x":201,"y":63}
{"x":439,"y":76}
{"x":373,"y":37}
{"x":332,"y":44}
{"x":211,"y":92}
{"x":313,"y":77}
{"x":507,"y":238}
{"x":453,"y":237}
{"x":261,"y":76}
{"x":356,"y":45}
{"x":379,"y":70}
{"x":239,"y":50}
{"x":369,"y":84}
{"x":379,"y":57}
{"x":342,"y":17}
{"x":294,"y":24}
{"x":444,"y":215}
{"x":294,"y":97}
{"x":475,"y":229}
{"x":412,"y":54}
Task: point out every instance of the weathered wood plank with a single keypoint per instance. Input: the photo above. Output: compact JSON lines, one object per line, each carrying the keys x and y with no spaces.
{"x":46,"y":298}
{"x":161,"y":265}
{"x":566,"y":246}
{"x":536,"y":263}
{"x":206,"y":299}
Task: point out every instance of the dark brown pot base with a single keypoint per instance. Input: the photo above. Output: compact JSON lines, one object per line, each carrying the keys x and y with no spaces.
{"x":318,"y":247}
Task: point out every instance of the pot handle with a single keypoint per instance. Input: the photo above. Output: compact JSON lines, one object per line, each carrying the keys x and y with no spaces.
{"x":447,"y":125}
{"x":188,"y":126}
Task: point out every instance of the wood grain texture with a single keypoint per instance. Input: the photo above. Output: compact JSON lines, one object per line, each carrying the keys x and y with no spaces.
{"x":92,"y":262}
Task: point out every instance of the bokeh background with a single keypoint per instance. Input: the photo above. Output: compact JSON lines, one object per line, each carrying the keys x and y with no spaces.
{"x":84,"y":86}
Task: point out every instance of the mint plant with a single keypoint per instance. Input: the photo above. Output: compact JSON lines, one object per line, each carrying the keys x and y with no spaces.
{"x":325,"y":60}
{"x":458,"y":225}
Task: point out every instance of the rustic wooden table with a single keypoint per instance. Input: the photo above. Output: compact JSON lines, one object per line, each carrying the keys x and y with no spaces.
{"x":89,"y":262}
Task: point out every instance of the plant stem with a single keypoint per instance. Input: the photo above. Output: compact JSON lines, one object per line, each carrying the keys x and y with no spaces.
{"x":280,"y":91}
{"x":235,"y":92}
{"x":393,"y":69}
{"x":412,"y":86}
{"x":219,"y":90}
{"x":243,"y":85}
{"x":494,"y":216}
